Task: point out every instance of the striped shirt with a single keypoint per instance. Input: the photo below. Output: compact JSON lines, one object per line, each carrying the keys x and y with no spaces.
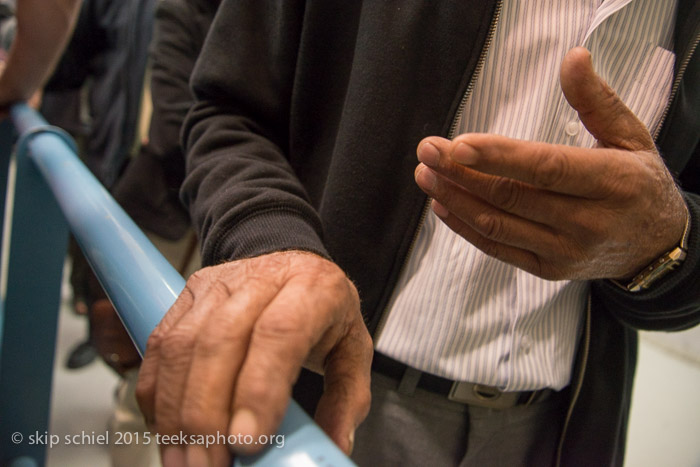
{"x":461,"y":314}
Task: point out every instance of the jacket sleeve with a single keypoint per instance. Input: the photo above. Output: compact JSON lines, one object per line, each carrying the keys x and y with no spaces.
{"x":149,"y":187}
{"x":243,"y":195}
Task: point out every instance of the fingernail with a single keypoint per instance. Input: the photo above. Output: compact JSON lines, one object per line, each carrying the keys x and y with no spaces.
{"x":428,"y":154}
{"x":426,"y":178}
{"x":174,"y":456}
{"x":197,"y":456}
{"x":243,"y":425}
{"x":439,"y":210}
{"x":464,"y":154}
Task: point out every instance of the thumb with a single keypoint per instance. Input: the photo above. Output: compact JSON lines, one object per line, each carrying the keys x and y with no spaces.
{"x":600,"y":109}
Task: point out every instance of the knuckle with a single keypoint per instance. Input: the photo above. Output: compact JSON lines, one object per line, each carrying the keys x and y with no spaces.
{"x":341,"y":289}
{"x":143,"y":393}
{"x":269,"y":401}
{"x":155,"y":341}
{"x":176,"y":344}
{"x":596,"y":231}
{"x":554,"y":268}
{"x":551,"y":168}
{"x":490,"y":248}
{"x":589,"y":228}
{"x":539,"y":268}
{"x":279,"y":326}
{"x":256,"y":390}
{"x":353,"y":296}
{"x":361,"y":341}
{"x":505,"y":193}
{"x":364,"y":400}
{"x":333,"y":285}
{"x":365,"y":339}
{"x":628,"y":187}
{"x":209,"y":347}
{"x":206,"y":279}
{"x":550,"y":273}
{"x":194,"y":419}
{"x":219,"y":288}
{"x":197,"y":279}
{"x":489,"y":225}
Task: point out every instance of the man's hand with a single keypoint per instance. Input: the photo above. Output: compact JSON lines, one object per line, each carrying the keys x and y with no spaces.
{"x":560,"y":212}
{"x":225,"y":356}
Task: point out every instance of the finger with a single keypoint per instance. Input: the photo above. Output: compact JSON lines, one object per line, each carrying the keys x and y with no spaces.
{"x":148,"y":372}
{"x":283,"y":336}
{"x":523,"y":259}
{"x":490,"y":222}
{"x":346,"y":397}
{"x":600,"y":109}
{"x":217,"y":358}
{"x":172,"y":456}
{"x":176,"y":355}
{"x":513,"y":196}
{"x":581,"y":172}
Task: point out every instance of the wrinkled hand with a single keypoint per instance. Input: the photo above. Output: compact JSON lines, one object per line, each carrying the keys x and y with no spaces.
{"x":556,"y":211}
{"x":225,"y":356}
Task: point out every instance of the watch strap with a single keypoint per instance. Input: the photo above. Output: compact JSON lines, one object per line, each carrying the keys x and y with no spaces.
{"x":662,"y":265}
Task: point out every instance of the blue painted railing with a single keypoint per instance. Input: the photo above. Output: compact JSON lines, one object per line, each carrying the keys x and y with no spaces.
{"x":52,"y":191}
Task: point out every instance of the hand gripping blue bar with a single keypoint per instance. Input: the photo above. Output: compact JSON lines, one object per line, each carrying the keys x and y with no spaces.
{"x":141,"y":284}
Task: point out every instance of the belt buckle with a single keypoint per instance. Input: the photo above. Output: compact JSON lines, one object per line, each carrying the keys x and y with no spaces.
{"x":482,"y":396}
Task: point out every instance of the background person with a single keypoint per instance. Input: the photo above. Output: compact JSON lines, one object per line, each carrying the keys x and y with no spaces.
{"x":42,"y":31}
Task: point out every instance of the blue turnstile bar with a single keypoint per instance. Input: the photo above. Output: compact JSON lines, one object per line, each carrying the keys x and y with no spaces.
{"x":141,"y":284}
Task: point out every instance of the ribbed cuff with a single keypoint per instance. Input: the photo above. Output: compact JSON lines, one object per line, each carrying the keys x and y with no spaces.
{"x":266,"y":232}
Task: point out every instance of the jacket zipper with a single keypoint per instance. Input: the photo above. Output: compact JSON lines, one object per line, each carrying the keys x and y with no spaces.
{"x":677,"y":83}
{"x":451,"y":134}
{"x":477,"y":70}
{"x":585,"y":347}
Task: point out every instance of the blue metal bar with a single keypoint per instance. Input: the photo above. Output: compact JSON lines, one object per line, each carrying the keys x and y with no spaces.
{"x":138,"y":280}
{"x":39,"y":235}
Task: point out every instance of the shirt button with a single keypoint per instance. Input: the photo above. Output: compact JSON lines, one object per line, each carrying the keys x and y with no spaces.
{"x":525,"y":345}
{"x":572,"y":128}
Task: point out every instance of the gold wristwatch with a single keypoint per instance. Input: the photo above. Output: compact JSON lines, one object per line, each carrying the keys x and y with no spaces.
{"x":661,"y":266}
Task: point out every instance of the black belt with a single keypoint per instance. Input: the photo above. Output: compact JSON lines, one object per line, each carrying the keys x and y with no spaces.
{"x":458,"y":391}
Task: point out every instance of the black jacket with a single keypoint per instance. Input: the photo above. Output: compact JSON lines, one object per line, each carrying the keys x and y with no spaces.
{"x":148,"y":190}
{"x":304,"y":137}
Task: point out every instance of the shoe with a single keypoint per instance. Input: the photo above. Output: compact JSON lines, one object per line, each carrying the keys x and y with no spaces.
{"x":83,"y":354}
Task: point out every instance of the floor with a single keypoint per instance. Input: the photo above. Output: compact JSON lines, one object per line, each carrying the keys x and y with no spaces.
{"x":665,"y":420}
{"x":81,"y":401}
